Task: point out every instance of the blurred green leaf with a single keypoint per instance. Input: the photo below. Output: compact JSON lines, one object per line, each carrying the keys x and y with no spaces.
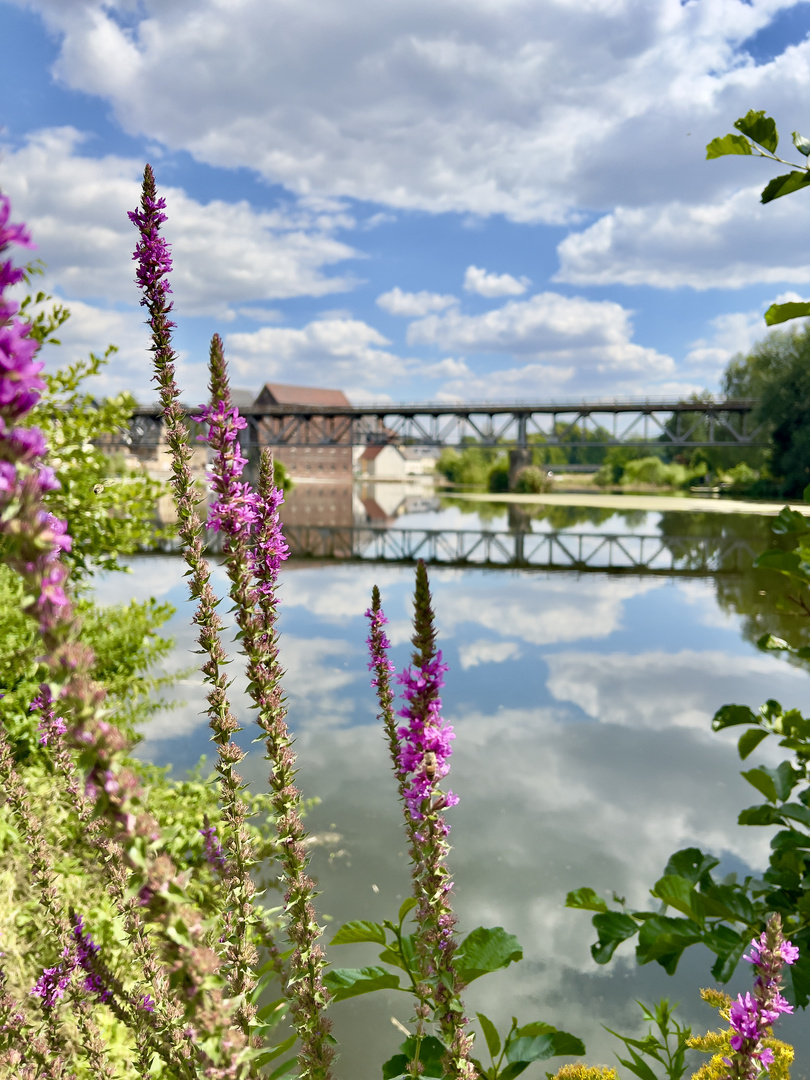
{"x":586,"y":899}
{"x":490,"y":1034}
{"x":343,"y":983}
{"x":613,"y":927}
{"x":759,"y":128}
{"x":793,"y":309}
{"x":727,"y":144}
{"x":484,"y":950}
{"x":784,"y":185}
{"x":732,"y":715}
{"x":359,"y":930}
{"x":750,"y":740}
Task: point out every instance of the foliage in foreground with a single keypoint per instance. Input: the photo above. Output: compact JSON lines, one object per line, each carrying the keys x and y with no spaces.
{"x":160,"y":966}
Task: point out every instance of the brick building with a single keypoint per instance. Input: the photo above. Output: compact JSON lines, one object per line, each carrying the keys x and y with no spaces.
{"x":314,"y":462}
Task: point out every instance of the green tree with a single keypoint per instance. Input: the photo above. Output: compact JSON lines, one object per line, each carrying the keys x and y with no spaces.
{"x":777,"y":373}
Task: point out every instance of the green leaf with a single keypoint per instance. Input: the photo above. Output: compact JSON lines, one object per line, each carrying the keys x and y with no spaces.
{"x":769,"y":643}
{"x":431,"y":1053}
{"x":784,"y":185}
{"x":749,"y":741}
{"x":664,"y":939}
{"x":760,"y":128}
{"x":343,"y":983}
{"x":490,"y":1034}
{"x":586,"y":899}
{"x":542,"y":1047}
{"x":484,"y":950}
{"x":727,"y":144}
{"x":637,"y":1066}
{"x":537,"y":1027}
{"x":401,"y":956}
{"x":788,"y":520}
{"x":691,"y":863}
{"x":731,"y":715}
{"x":613,"y":928}
{"x":793,"y":309}
{"x":359,"y":930}
{"x":406,"y":906}
{"x":795,"y":812}
{"x":277,"y":1051}
{"x":679,"y":893}
{"x":783,"y":562}
{"x":774,"y":784}
{"x":758,"y":815}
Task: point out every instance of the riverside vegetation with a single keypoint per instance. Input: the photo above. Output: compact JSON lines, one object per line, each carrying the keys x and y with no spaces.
{"x":138,"y":936}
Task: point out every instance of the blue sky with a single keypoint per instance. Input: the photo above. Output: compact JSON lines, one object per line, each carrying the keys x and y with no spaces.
{"x":477,"y":200}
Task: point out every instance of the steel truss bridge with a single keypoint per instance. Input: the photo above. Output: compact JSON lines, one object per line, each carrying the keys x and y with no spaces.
{"x":583,"y":552}
{"x":582,"y":424}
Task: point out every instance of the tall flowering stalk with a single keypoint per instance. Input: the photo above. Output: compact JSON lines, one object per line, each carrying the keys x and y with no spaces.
{"x":305,"y":990}
{"x":254,"y":548}
{"x":420,"y":752}
{"x":153,"y":257}
{"x":752,"y":1015}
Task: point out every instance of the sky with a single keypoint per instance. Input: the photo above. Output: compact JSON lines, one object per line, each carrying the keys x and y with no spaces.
{"x":468,"y":200}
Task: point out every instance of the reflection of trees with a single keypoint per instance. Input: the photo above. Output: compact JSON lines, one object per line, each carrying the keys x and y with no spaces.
{"x":558,"y":517}
{"x":756,"y":595}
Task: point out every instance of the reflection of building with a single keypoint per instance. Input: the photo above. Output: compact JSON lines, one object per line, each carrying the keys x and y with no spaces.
{"x":420,"y":460}
{"x":382,"y":463}
{"x":332,"y":463}
{"x":318,"y":504}
{"x":389,"y":462}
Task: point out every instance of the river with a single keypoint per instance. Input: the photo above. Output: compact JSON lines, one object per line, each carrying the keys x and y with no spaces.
{"x":581,"y":700}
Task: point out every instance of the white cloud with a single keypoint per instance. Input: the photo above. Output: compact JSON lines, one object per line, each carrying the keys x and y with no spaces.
{"x":340,"y":352}
{"x":570,"y":342}
{"x":685,"y":687}
{"x":733,"y":333}
{"x":540,"y":612}
{"x":479,"y":281}
{"x":532,"y":111}
{"x":728,"y":243}
{"x":224,"y":253}
{"x":412,"y":305}
{"x":487,"y":652}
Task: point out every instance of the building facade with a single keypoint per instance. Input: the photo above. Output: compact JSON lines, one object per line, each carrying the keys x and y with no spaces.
{"x":315,"y":462}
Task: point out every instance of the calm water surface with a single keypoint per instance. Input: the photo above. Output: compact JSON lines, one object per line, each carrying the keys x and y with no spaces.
{"x":584,"y":755}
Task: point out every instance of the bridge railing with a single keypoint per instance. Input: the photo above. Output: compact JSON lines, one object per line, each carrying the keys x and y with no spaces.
{"x":649,"y":423}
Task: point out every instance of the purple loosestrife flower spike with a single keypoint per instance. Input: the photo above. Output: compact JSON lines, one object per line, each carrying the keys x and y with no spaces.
{"x":154,"y":263}
{"x":753,"y":1015}
{"x":232,"y":511}
{"x":257,"y":616}
{"x":383,"y":668}
{"x":423,"y":752}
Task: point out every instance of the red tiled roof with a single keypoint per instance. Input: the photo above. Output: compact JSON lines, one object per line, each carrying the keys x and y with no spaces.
{"x":282,"y":394}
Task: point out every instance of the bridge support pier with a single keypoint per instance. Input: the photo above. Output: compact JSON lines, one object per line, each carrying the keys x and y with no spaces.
{"x":518,"y":459}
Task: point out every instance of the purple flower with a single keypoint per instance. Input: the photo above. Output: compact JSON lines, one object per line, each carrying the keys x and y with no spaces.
{"x":234,"y":510}
{"x":11,"y":234}
{"x":378,"y":645}
{"x":752,"y":1015}
{"x":269,"y":548}
{"x":86,"y":952}
{"x":20,"y":384}
{"x":214,"y":854}
{"x":51,"y":985}
{"x":425,"y":743}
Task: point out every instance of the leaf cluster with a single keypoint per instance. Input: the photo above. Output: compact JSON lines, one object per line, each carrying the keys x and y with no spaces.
{"x":760,"y":138}
{"x":110,"y":509}
{"x":725,"y":914}
{"x":482,"y":951}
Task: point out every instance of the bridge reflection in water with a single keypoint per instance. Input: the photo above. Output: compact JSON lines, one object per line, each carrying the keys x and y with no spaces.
{"x":618,"y":553}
